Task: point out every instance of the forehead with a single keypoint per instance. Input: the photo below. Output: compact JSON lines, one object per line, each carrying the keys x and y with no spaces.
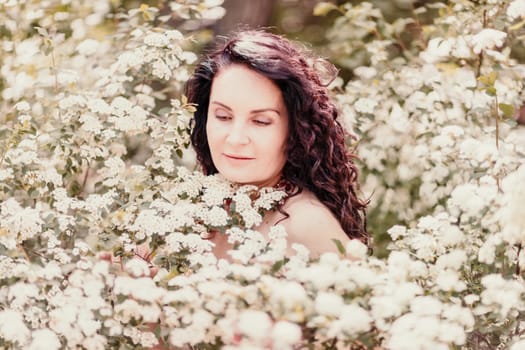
{"x":239,"y":84}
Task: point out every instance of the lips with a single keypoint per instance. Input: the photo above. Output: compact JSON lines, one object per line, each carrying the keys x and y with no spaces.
{"x":237,"y":157}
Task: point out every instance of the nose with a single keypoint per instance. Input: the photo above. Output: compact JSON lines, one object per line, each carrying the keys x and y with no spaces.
{"x":237,"y":134}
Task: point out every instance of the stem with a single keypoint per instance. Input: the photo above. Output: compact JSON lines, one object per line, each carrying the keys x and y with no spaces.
{"x":480,"y":63}
{"x":55,"y":72}
{"x":497,"y":140}
{"x":497,"y":123}
{"x":84,"y":181}
{"x":518,"y":260}
{"x":480,"y":55}
{"x":26,"y":254}
{"x":54,"y":69}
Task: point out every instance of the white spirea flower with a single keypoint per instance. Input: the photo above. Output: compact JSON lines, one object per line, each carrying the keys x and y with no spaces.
{"x":156,"y":39}
{"x":290,"y":297}
{"x":353,"y":320}
{"x":502,"y":294}
{"x":365,"y":72}
{"x":88,"y":47}
{"x":397,"y":231}
{"x":139,"y":288}
{"x":18,"y":223}
{"x":215,"y":195}
{"x":12,"y":327}
{"x":137,"y":267}
{"x":453,"y":260}
{"x":21,"y":293}
{"x":329,"y":304}
{"x":129,"y":60}
{"x":519,"y":345}
{"x":365,"y":105}
{"x":214,"y":13}
{"x":91,"y":123}
{"x":356,"y":249}
{"x":471,"y":199}
{"x":487,"y":38}
{"x":512,"y":212}
{"x":448,"y":280}
{"x":438,"y":49}
{"x":516,"y":9}
{"x":398,"y":118}
{"x":177,"y":241}
{"x":44,"y":339}
{"x":98,"y":105}
{"x":268,"y":198}
{"x":254,"y":324}
{"x":6,"y":174}
{"x":426,"y":305}
{"x":320,"y":276}
{"x":216,"y":216}
{"x":285,"y":334}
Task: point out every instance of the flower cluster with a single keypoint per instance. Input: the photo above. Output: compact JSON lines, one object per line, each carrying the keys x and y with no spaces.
{"x":441,"y":152}
{"x":107,"y":242}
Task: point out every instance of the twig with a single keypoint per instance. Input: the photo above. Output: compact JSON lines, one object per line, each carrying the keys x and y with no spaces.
{"x":518,"y":261}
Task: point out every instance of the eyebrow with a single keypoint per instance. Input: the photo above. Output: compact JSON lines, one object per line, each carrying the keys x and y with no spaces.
{"x":252,"y":112}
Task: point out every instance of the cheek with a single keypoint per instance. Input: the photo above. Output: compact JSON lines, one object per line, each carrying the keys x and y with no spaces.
{"x":279,"y":146}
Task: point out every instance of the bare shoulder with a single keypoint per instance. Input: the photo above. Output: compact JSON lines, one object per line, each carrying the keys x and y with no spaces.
{"x":312,"y":224}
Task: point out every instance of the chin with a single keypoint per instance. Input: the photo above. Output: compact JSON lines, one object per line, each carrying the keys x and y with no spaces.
{"x":240,"y":179}
{"x":235,"y":177}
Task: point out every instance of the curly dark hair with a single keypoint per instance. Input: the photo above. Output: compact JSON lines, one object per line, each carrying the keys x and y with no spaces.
{"x":317,"y":157}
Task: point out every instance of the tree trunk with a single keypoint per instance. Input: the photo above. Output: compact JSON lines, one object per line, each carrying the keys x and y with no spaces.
{"x":245,"y":14}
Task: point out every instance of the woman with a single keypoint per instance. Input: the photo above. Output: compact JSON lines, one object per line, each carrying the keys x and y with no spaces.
{"x":264,"y":117}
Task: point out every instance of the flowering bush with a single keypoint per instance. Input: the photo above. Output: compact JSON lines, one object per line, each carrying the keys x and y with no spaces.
{"x":93,"y":132}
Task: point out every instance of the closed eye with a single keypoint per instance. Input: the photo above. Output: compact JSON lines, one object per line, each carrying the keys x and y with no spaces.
{"x":261,"y":122}
{"x":222,"y":117}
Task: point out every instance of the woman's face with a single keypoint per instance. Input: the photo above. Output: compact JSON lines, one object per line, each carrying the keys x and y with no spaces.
{"x":247,"y":126}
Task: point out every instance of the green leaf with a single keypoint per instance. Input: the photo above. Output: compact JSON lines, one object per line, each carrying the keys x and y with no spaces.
{"x":517,"y":25}
{"x":277,"y":266}
{"x":340,"y":246}
{"x":489,"y":79}
{"x":491,"y":91}
{"x":507,"y":110}
{"x":322,"y":8}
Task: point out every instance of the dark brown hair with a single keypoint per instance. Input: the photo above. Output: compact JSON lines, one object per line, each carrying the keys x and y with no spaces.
{"x":317,"y":157}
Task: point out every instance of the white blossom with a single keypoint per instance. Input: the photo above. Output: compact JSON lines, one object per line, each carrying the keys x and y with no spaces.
{"x":516,"y":9}
{"x":12,"y":327}
{"x":487,"y":38}
{"x":512,"y":212}
{"x":254,"y":324}
{"x":365,"y":105}
{"x":328,"y":304}
{"x":285,"y":334}
{"x":44,"y":339}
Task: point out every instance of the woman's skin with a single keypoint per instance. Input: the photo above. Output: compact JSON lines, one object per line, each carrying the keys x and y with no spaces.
{"x":247,"y":130}
{"x":247,"y":127}
{"x":310,"y":223}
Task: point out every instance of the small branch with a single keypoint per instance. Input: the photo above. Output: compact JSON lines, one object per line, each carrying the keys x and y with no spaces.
{"x":518,"y":260}
{"x":84,"y":181}
{"x":497,"y":139}
{"x":54,"y":70}
{"x":26,"y":254}
{"x":480,"y":55}
{"x":497,"y":123}
{"x":480,"y":63}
